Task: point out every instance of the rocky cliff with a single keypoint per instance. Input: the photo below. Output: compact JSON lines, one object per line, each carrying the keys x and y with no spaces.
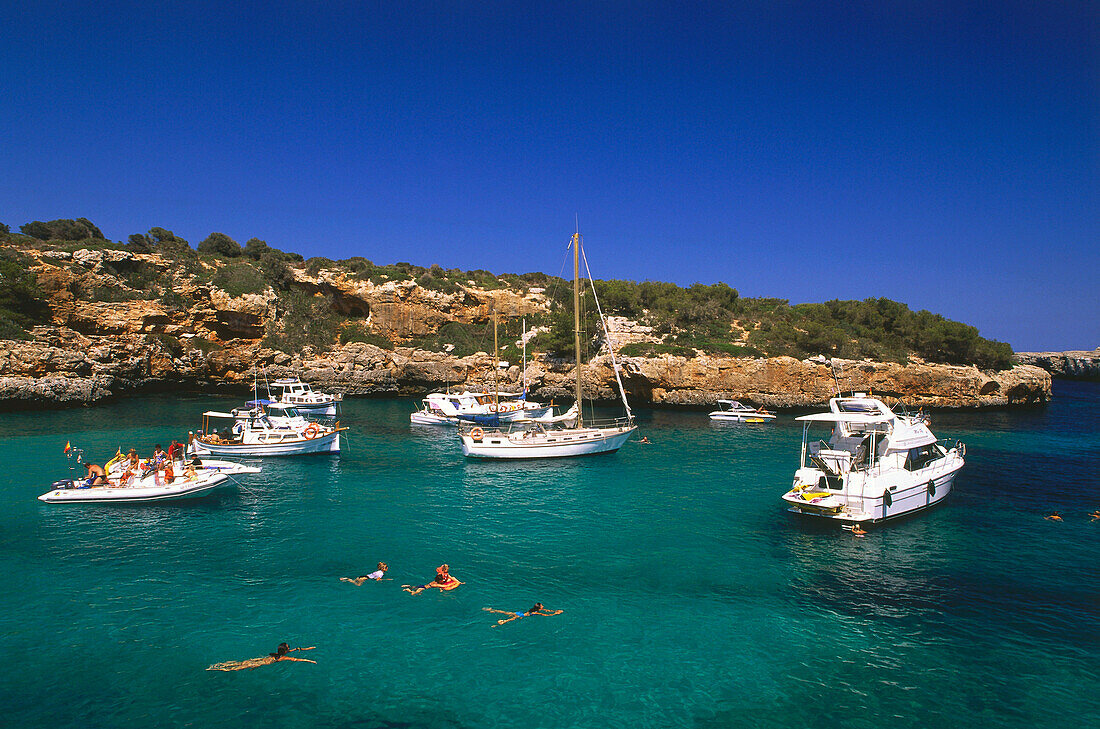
{"x":183,"y":331}
{"x":62,"y":366}
{"x":1066,"y":365}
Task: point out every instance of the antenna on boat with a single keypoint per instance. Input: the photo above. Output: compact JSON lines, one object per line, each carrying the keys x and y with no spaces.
{"x":832,"y":368}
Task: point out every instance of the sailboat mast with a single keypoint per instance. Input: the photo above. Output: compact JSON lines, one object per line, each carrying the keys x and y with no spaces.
{"x":496,"y":363}
{"x":577,"y":318}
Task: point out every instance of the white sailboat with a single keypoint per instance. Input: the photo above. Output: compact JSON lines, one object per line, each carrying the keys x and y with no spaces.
{"x":535,"y":439}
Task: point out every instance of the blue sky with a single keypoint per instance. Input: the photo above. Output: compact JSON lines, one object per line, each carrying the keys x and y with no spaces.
{"x":943,"y":154}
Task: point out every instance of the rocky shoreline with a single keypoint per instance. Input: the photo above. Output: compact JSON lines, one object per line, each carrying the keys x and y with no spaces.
{"x":1064,"y":365}
{"x":61,"y":367}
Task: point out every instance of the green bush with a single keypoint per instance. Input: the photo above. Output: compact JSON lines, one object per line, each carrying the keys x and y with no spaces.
{"x":302,"y":320}
{"x":356,"y":333}
{"x":220,"y":244}
{"x":237,"y":279}
{"x":63,"y":229}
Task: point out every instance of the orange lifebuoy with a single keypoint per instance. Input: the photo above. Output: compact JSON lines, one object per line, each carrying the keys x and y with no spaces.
{"x":311,"y":432}
{"x":492,"y":407}
{"x":477,"y":434}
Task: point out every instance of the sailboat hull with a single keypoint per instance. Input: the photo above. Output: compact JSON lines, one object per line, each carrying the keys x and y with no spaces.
{"x":552,"y":444}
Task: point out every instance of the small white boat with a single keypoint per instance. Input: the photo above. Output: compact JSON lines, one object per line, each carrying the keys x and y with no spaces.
{"x":149,"y":486}
{"x":441,"y":408}
{"x":295,"y":393}
{"x":735,"y":411}
{"x":875,"y":465}
{"x":277,"y":430}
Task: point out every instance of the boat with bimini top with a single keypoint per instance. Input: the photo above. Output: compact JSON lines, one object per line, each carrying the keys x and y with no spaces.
{"x":876,"y":464}
{"x":292,"y":392}
{"x":270,"y":430}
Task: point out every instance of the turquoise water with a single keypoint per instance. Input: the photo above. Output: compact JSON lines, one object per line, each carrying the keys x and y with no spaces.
{"x":691,"y":598}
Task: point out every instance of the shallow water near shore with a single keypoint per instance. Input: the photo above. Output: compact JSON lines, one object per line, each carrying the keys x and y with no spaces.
{"x":691,"y":598}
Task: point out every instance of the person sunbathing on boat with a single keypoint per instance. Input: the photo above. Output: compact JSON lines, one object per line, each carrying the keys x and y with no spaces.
{"x":377,"y":575}
{"x":280,"y":654}
{"x":443,"y":581}
{"x":96,"y":476}
{"x":189,"y":472}
{"x":538,"y":609}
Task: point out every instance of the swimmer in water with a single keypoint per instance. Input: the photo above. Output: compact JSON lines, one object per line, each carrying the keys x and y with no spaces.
{"x":858,"y":531}
{"x":377,"y":575}
{"x":1053,"y":516}
{"x":644,"y":440}
{"x":1095,"y":515}
{"x":443,"y":581}
{"x":538,"y":609}
{"x":280,"y":654}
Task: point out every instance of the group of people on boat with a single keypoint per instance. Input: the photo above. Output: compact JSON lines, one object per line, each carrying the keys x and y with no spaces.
{"x":162,"y":465}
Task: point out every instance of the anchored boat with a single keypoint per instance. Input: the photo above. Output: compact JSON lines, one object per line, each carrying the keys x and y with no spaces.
{"x":735,"y":411}
{"x":534,"y":439}
{"x":271,"y":430}
{"x":875,"y":465}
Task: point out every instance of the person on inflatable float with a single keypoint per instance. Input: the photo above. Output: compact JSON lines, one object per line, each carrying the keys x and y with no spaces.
{"x":443,"y":581}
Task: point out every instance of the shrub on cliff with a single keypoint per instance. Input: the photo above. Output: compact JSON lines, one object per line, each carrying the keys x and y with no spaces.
{"x":220,"y":244}
{"x":63,"y":229}
{"x":357,"y":333}
{"x":237,"y":279}
{"x":302,"y":320}
{"x":22,"y":303}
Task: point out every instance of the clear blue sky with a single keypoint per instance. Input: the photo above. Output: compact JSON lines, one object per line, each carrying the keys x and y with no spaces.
{"x":943,"y":154}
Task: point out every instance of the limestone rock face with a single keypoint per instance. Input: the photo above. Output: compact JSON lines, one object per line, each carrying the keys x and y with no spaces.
{"x":96,"y":349}
{"x":1067,"y":365}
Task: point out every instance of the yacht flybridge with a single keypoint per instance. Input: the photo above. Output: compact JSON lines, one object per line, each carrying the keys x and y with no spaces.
{"x":875,"y":465}
{"x":568,"y":437}
{"x":295,"y":393}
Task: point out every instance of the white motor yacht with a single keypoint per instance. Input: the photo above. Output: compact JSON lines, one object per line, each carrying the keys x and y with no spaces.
{"x":295,"y":393}
{"x":441,"y":408}
{"x":875,"y":464}
{"x":735,"y":411}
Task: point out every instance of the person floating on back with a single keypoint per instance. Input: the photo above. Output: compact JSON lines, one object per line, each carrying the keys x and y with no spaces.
{"x":280,"y":654}
{"x":538,"y":609}
{"x":443,"y":581}
{"x":377,"y":575}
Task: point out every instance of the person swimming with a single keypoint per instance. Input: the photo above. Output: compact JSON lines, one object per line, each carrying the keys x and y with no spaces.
{"x":377,"y":575}
{"x":443,"y":581}
{"x":858,"y":531}
{"x":1053,"y":516}
{"x":280,"y":654}
{"x":1095,"y":515}
{"x":537,"y":609}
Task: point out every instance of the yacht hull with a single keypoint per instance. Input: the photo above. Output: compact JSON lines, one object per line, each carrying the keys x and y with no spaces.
{"x":328,"y":443}
{"x":143,"y":492}
{"x":588,"y":441}
{"x":928,"y":490}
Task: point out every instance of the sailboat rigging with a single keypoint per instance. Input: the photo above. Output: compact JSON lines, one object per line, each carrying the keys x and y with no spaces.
{"x":537,"y":440}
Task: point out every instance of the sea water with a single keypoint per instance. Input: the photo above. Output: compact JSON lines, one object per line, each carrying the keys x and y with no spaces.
{"x":691,"y":597}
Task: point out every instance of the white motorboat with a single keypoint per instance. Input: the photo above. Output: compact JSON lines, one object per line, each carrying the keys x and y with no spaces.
{"x":527,"y":439}
{"x":293,"y":392}
{"x":149,"y":485}
{"x":441,"y":408}
{"x":875,"y":465}
{"x":274,"y":430}
{"x":735,"y":411}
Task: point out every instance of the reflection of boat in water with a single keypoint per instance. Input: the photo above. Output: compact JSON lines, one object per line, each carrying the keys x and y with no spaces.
{"x":149,"y":485}
{"x":735,"y":411}
{"x":295,"y":393}
{"x":876,"y":464}
{"x":533,"y":439}
{"x":274,"y":430}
